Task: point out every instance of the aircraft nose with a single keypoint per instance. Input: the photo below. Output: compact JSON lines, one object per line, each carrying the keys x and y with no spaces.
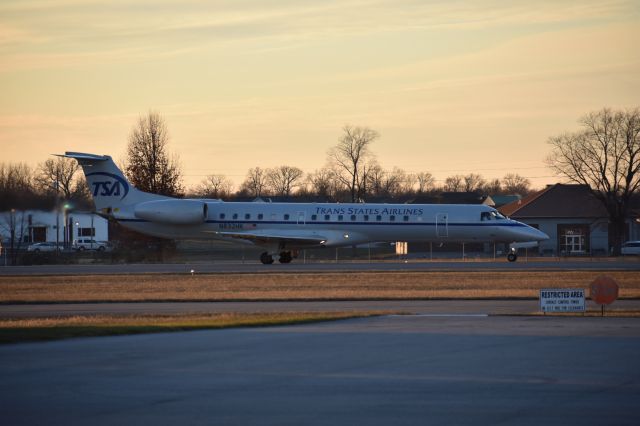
{"x":539,"y":235}
{"x":524,"y":233}
{"x":533,"y":234}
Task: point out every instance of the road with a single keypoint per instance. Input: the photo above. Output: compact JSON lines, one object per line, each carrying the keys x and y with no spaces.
{"x":400,"y":370}
{"x":622,"y":264}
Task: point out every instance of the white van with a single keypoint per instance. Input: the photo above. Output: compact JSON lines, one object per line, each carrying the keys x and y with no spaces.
{"x":631,"y":247}
{"x":89,"y":244}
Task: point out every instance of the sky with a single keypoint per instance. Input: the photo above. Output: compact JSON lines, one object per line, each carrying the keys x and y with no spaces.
{"x":452,"y":87}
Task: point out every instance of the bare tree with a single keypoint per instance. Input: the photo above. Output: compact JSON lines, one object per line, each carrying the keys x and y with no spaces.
{"x":255,"y":182}
{"x":81,"y":194}
{"x":513,"y":183}
{"x":57,"y":176}
{"x":398,"y":182}
{"x":350,"y":157}
{"x":376,"y":180}
{"x":14,"y":224}
{"x":426,"y":181}
{"x":149,"y":166}
{"x":282,"y":180}
{"x":605,"y":155}
{"x":16,"y":186}
{"x":473,"y":182}
{"x":15,"y":177}
{"x":214,"y":186}
{"x":322,"y":183}
{"x":453,"y":183}
{"x":408,"y":181}
{"x":492,"y":187}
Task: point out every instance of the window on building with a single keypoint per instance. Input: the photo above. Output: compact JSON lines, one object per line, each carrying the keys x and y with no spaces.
{"x":573,"y":239}
{"x":39,"y":234}
{"x":86,"y":232}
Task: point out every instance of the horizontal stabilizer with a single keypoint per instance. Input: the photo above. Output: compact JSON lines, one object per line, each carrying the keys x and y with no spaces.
{"x":83,"y":156}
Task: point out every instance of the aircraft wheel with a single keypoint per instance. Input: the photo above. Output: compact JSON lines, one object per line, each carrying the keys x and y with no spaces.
{"x":285,"y":257}
{"x":512,"y":257}
{"x":266,"y":258}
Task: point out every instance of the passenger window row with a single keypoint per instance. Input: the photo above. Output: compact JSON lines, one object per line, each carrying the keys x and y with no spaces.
{"x":314,"y":217}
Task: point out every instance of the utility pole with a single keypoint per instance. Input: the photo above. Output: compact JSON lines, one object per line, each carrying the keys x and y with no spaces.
{"x":56,"y":186}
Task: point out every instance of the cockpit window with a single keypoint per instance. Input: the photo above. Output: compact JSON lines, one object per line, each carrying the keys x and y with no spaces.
{"x":491,"y":215}
{"x":498,"y":215}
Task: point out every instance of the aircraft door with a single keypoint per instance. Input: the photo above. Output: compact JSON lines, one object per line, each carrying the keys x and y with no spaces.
{"x":301,"y":218}
{"x":442,"y":225}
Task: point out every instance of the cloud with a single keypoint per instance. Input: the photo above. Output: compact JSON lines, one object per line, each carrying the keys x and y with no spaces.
{"x":40,"y":34}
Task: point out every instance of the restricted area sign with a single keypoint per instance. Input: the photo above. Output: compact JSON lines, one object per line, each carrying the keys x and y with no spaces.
{"x":604,"y":290}
{"x":562,"y":300}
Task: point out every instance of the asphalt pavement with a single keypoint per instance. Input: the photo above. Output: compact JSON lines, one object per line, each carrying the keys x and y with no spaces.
{"x":400,"y":370}
{"x":535,"y":264}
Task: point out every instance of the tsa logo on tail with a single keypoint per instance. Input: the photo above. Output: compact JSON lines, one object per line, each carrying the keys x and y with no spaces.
{"x":110,"y":186}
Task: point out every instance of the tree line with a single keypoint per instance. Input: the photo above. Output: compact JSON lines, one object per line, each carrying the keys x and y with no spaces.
{"x":351,"y":174}
{"x":23,"y":187}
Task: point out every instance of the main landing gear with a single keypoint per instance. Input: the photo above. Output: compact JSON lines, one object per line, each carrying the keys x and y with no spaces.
{"x":285,"y":257}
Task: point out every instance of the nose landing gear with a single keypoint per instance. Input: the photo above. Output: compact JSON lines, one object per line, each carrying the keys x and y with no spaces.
{"x":513,"y":255}
{"x":284,"y":257}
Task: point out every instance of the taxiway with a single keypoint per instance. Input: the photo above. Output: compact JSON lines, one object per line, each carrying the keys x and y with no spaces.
{"x":399,"y":370}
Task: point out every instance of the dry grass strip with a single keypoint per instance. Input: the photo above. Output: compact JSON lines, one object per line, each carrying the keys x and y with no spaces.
{"x":32,"y":329}
{"x":327,"y":286}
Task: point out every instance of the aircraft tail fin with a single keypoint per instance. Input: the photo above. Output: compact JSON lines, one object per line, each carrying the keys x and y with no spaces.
{"x":108,"y":185}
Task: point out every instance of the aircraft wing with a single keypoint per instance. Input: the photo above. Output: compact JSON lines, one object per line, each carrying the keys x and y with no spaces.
{"x":268,"y":237}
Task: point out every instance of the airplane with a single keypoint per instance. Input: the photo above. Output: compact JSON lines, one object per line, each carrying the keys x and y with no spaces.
{"x":284,"y":228}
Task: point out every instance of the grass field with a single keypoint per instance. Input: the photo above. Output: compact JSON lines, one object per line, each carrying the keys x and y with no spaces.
{"x":227,"y":287}
{"x":328,"y":286}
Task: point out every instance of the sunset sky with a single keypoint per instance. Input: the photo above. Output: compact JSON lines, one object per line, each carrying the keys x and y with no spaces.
{"x":452,"y":87}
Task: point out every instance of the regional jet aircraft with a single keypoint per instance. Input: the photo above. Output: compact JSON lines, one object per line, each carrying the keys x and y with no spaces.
{"x":284,"y":228}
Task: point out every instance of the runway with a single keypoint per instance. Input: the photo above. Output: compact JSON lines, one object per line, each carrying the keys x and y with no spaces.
{"x":539,"y":264}
{"x":400,"y":370}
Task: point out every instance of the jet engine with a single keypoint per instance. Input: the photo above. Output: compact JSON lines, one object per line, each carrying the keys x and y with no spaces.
{"x":173,"y":212}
